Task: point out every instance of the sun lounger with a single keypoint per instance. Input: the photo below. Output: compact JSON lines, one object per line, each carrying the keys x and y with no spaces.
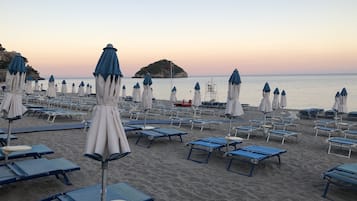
{"x":245,"y":129}
{"x":35,"y":168}
{"x":154,"y":133}
{"x":209,"y":145}
{"x":254,"y":155}
{"x":204,"y":122}
{"x":119,"y":191}
{"x":3,"y":139}
{"x":311,"y":113}
{"x":342,"y":143}
{"x":283,"y":134}
{"x":328,"y":130}
{"x":36,"y":151}
{"x":344,"y":175}
{"x":350,"y":133}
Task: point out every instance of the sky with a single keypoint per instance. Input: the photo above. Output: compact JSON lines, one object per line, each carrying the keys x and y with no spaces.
{"x":205,"y":37}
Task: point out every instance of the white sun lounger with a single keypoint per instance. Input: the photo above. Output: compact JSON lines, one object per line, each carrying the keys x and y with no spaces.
{"x":342,"y":143}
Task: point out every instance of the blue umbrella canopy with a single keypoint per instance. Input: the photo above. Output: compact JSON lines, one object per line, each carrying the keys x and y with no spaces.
{"x":36,"y":81}
{"x":197,"y":86}
{"x":235,"y":77}
{"x":173,"y":89}
{"x":147,"y":80}
{"x":337,"y":94}
{"x":137,"y":85}
{"x":64,"y":82}
{"x":343,"y":92}
{"x":266,"y":87}
{"x":81,"y":84}
{"x":52,"y":79}
{"x":283,"y":93}
{"x":73,"y":85}
{"x":108,"y":63}
{"x":17,"y":65}
{"x":29,"y":78}
{"x":124,"y":87}
{"x":276,"y":91}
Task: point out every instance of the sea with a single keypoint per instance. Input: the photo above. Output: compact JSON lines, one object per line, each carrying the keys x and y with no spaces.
{"x":302,"y":91}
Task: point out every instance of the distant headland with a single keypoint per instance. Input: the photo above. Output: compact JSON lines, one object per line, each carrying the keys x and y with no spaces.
{"x":162,"y":69}
{"x":5,"y":59}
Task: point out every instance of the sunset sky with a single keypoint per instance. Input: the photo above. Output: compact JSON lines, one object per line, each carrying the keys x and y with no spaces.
{"x":205,"y":37}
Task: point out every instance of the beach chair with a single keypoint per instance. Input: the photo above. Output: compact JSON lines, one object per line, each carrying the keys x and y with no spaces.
{"x":118,"y":191}
{"x":35,"y":168}
{"x":201,"y":123}
{"x":344,"y":175}
{"x":3,"y":139}
{"x":329,"y":130}
{"x":155,"y":133}
{"x":253,"y":155}
{"x":342,"y":143}
{"x":208,"y":145}
{"x":36,"y":151}
{"x":245,"y":129}
{"x":283,"y":134}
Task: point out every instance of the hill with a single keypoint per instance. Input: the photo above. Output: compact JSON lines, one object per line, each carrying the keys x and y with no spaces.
{"x":161,"y":69}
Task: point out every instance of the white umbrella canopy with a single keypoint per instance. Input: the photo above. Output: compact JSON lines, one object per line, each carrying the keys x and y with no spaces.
{"x":73,"y":88}
{"x":64,"y":87}
{"x":233,"y":107}
{"x":265,"y":105}
{"x":173,"y":97}
{"x":283,"y":101}
{"x":81,"y":89}
{"x":123,"y":91}
{"x":88,"y":92}
{"x":106,"y":138}
{"x":28,"y":85}
{"x":197,"y":96}
{"x":37,"y":87}
{"x":343,"y":101}
{"x":275,"y":102}
{"x":11,"y":106}
{"x":51,"y":90}
{"x":337,"y":102}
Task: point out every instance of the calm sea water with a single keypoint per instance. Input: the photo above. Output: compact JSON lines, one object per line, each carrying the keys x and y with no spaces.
{"x":303,"y":91}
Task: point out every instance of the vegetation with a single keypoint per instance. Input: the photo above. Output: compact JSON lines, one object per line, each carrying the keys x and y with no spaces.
{"x":161,"y":69}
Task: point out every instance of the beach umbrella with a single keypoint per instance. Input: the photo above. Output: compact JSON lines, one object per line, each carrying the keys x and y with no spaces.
{"x":41,"y":87}
{"x":275,"y":102}
{"x":123,"y":92}
{"x":196,"y":98}
{"x":283,"y":101}
{"x":51,"y":90}
{"x":265,"y":104}
{"x":233,"y":107}
{"x":147,"y":96}
{"x":343,"y":101}
{"x":81,"y":89}
{"x":136,"y":93}
{"x":88,"y":90}
{"x":64,"y":87}
{"x":28,"y":85}
{"x":106,"y":139}
{"x":37,"y":87}
{"x":173,"y":97}
{"x":73,"y":88}
{"x":336,"y":104}
{"x":11,"y":107}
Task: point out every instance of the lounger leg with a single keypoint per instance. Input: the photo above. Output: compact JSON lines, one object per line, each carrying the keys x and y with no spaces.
{"x":251,"y":170}
{"x":268,"y":137}
{"x":329,"y":148}
{"x":180,"y":138}
{"x":229,"y":164}
{"x":349,"y":153}
{"x":326,"y":189}
{"x":282,"y":142}
{"x":189,"y":154}
{"x":137,"y":141}
{"x":65,"y":179}
{"x":248,"y":136}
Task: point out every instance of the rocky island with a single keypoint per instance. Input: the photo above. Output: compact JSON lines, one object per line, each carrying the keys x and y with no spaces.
{"x":5,"y":59}
{"x":161,"y":69}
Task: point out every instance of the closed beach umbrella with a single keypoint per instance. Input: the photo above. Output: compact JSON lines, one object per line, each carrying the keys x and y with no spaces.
{"x":88,"y":90}
{"x":64,"y":87}
{"x":173,"y":97}
{"x":233,"y":106}
{"x":28,"y":85}
{"x":73,"y":88}
{"x":265,"y":104}
{"x":37,"y":87}
{"x":147,"y":95}
{"x":11,"y":107}
{"x":41,"y":87}
{"x":81,"y":89}
{"x":197,"y":96}
{"x":283,"y":101}
{"x":51,"y":90}
{"x":337,"y":102}
{"x":136,"y":93}
{"x":123,"y":92}
{"x":56,"y":88}
{"x":106,"y":139}
{"x":275,"y":103}
{"x":343,"y":101}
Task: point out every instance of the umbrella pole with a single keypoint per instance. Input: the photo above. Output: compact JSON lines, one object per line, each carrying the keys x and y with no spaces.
{"x":8,"y":139}
{"x":104,"y":180}
{"x":145,"y":118}
{"x":230,"y":125}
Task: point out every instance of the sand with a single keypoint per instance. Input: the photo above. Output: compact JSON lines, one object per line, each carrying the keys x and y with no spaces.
{"x":163,"y":172}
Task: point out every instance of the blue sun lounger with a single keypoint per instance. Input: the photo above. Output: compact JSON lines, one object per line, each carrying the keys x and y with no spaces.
{"x":36,"y":151}
{"x":344,"y":175}
{"x":3,"y":139}
{"x":209,"y":145}
{"x":254,"y":154}
{"x":283,"y":134}
{"x":152,"y":134}
{"x":35,"y":168}
{"x":341,"y":142}
{"x":119,"y":191}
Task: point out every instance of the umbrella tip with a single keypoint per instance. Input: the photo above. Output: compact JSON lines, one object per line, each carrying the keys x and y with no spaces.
{"x":109,"y":45}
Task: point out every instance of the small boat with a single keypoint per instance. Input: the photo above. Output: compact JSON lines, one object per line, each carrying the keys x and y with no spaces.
{"x":183,"y":103}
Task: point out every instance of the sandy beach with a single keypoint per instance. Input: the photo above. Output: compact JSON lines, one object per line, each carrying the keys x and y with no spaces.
{"x":163,"y":172}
